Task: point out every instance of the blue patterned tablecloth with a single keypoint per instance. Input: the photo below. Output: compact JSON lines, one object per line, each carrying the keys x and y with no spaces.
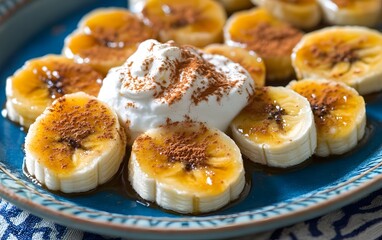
{"x":360,"y":220}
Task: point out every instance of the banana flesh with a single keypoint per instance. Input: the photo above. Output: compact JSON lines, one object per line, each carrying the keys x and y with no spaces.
{"x":352,"y":55}
{"x":248,"y":59}
{"x":304,"y":14}
{"x":276,"y":128}
{"x":34,"y":87}
{"x":236,"y":5}
{"x":106,"y":37}
{"x":339,"y":113}
{"x":75,"y":145}
{"x":273,"y":40}
{"x":186,"y":167}
{"x":351,"y":12}
{"x":197,"y":22}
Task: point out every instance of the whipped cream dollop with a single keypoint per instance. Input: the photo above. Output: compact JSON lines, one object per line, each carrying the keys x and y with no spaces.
{"x":162,"y":83}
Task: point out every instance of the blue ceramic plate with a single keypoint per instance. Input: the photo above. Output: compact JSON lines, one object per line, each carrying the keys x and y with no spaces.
{"x":31,"y":29}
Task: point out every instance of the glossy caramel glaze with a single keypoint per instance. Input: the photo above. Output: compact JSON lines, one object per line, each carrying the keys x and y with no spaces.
{"x":269,"y":117}
{"x":106,"y":38}
{"x":189,"y":159}
{"x":71,"y":133}
{"x":34,"y":87}
{"x":335,"y":107}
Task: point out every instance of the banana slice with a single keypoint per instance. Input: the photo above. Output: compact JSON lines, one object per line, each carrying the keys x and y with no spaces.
{"x":351,"y":12}
{"x":304,"y":14}
{"x":186,"y":167}
{"x":75,"y":145}
{"x":352,"y":55}
{"x":339,"y":114}
{"x":197,"y":22}
{"x":235,"y":5}
{"x":106,"y":37}
{"x":272,"y":39}
{"x":34,"y":87}
{"x":276,"y":128}
{"x":248,"y":59}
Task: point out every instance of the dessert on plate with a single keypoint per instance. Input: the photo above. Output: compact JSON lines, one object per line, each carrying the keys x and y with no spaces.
{"x":172,"y":103}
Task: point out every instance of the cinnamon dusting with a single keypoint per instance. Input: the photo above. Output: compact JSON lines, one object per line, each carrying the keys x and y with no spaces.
{"x":182,"y":15}
{"x":132,"y":32}
{"x":176,"y":16}
{"x":269,"y":40}
{"x":72,"y":126}
{"x":182,"y":146}
{"x":275,"y":112}
{"x":183,"y":74}
{"x":116,"y":43}
{"x":68,"y":128}
{"x":62,"y":77}
{"x":323,"y":100}
{"x":262,"y":105}
{"x":338,"y":53}
{"x":341,"y":3}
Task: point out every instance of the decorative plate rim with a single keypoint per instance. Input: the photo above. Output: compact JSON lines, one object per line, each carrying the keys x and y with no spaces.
{"x":303,"y":207}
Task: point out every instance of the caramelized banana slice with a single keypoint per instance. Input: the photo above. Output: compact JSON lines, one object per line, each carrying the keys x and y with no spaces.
{"x":272,"y":39}
{"x":41,"y":80}
{"x":352,"y":55}
{"x":351,"y":12}
{"x":75,"y":145}
{"x":236,"y":5}
{"x":339,"y":114}
{"x":105,"y":38}
{"x":248,"y":59}
{"x":304,"y":14}
{"x":197,"y":22}
{"x":276,"y":128}
{"x":186,"y":167}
